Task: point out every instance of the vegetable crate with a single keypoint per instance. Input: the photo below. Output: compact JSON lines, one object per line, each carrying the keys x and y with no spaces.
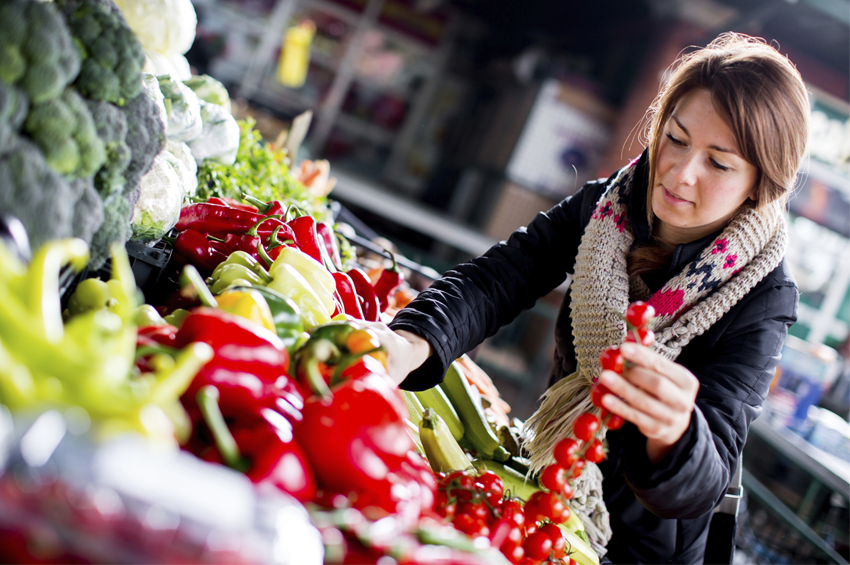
{"x":148,"y":263}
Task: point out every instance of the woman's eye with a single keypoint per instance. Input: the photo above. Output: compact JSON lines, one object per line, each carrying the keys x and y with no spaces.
{"x":673,"y":140}
{"x":718,"y":166}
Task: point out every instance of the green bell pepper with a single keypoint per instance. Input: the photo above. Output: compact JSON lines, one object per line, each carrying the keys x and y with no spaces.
{"x":246,"y":260}
{"x":231,"y":273}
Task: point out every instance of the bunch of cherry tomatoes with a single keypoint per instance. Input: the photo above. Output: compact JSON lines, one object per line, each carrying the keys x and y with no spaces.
{"x":527,"y":532}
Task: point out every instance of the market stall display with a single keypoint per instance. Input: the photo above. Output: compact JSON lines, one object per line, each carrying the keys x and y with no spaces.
{"x":242,"y":376}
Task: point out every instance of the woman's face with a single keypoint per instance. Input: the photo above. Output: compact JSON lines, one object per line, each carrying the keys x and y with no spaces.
{"x":701,"y":179}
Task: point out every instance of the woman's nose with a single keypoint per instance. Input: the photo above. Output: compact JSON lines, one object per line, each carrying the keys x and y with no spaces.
{"x":687,"y":170}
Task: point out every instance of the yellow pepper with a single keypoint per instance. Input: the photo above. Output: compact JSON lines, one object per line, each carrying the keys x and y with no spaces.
{"x":249,"y":304}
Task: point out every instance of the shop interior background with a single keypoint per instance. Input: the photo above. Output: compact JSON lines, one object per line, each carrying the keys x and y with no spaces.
{"x":449,"y":124}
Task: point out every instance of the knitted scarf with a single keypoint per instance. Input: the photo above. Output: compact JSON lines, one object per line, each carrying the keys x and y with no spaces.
{"x":750,"y":247}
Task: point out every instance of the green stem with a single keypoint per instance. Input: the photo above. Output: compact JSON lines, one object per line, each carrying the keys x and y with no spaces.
{"x":252,"y":231}
{"x":146,"y":350}
{"x":207,"y":399}
{"x":263,"y":207}
{"x":193,"y":285}
{"x":214,"y":238}
{"x":264,"y":256}
{"x":189,"y":361}
{"x":314,"y":378}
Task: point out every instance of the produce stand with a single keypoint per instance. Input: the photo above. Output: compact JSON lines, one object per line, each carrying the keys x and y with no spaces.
{"x":187,"y":370}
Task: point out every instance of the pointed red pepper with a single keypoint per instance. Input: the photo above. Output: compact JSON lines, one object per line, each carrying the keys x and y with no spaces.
{"x":219,"y":220}
{"x":248,"y":241}
{"x":275,"y":207}
{"x":197,"y":250}
{"x":306,"y":237}
{"x":390,"y":279}
{"x":348,"y":296}
{"x":327,"y":238}
{"x":366,"y":294}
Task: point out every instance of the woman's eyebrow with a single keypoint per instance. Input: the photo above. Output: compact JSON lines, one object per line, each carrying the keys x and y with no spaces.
{"x":715,"y":147}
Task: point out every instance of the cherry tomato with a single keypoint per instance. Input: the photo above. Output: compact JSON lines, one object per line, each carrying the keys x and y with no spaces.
{"x":597,"y":392}
{"x":559,"y":544}
{"x":566,"y":451}
{"x":586,"y":426}
{"x":613,"y":422}
{"x":514,"y":552}
{"x":612,"y":360}
{"x":554,"y":477}
{"x":492,"y":485}
{"x":512,"y":509}
{"x":442,"y":505}
{"x":595,"y":452}
{"x":461,"y":485}
{"x":639,"y":313}
{"x":467,"y":523}
{"x":537,"y":546}
{"x":476,"y":509}
{"x":567,"y":492}
{"x":578,"y":467}
{"x":643,"y":336}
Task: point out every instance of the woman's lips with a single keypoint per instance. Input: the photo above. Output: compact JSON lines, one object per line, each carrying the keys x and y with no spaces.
{"x":673,"y":199}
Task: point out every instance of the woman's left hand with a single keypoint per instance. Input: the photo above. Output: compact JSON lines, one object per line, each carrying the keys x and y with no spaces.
{"x":655,"y":394}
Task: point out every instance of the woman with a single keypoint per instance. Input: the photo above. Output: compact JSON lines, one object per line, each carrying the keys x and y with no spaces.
{"x":695,"y":227}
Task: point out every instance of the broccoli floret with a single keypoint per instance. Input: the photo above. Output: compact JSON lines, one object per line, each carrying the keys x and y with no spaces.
{"x":88,"y":210}
{"x":115,"y":228}
{"x":36,"y":49}
{"x":65,"y":131}
{"x":112,"y":57}
{"x":13,"y":111}
{"x":145,"y":138}
{"x":36,"y":194}
{"x":111,"y":125}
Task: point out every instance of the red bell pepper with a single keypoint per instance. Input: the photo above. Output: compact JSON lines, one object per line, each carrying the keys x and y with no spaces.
{"x":348,"y":296}
{"x":219,"y":220}
{"x":388,"y":282}
{"x":265,"y":451}
{"x":196,"y":249}
{"x":366,"y":294}
{"x":355,"y":437}
{"x":238,"y":344}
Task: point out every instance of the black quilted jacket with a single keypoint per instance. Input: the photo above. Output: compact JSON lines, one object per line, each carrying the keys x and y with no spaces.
{"x":659,"y":513}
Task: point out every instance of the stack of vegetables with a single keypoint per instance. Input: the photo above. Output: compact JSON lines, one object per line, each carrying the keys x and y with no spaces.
{"x":77,"y":130}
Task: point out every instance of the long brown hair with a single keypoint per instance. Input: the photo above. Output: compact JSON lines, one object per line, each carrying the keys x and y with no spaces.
{"x":761,"y":97}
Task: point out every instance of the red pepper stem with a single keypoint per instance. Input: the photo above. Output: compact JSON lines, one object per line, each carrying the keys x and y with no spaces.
{"x":253,"y":229}
{"x":214,"y":238}
{"x":394,"y":267}
{"x":263,"y":207}
{"x":207,"y":399}
{"x":264,"y":256}
{"x":296,"y":208}
{"x":275,"y":242}
{"x":193,"y":286}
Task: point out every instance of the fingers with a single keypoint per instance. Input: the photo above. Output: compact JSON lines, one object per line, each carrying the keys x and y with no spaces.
{"x":645,"y":358}
{"x":633,"y":403}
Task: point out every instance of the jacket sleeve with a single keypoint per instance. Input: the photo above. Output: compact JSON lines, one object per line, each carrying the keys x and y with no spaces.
{"x":474,"y":299}
{"x":735,"y":369}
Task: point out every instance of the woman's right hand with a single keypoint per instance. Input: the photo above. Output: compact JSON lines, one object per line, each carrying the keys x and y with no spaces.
{"x":405,"y":351}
